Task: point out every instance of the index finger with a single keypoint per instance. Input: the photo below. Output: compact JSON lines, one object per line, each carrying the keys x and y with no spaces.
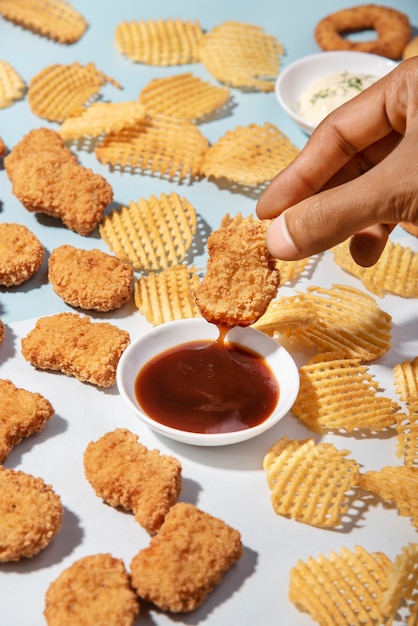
{"x":344,"y":133}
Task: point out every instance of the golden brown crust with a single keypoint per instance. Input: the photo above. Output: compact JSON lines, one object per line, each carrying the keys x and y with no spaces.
{"x":21,"y":254}
{"x":22,"y":413}
{"x":93,"y":590}
{"x":126,"y":474}
{"x":72,"y":344}
{"x":392,"y":27}
{"x":30,"y":515}
{"x":62,"y":189}
{"x":185,"y":560}
{"x":37,"y":141}
{"x":241,"y":277}
{"x":90,"y":279}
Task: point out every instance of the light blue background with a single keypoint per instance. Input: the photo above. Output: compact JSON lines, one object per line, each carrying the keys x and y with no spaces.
{"x":291,"y":22}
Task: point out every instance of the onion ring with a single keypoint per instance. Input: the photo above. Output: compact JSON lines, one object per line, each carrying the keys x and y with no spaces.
{"x":392,"y":27}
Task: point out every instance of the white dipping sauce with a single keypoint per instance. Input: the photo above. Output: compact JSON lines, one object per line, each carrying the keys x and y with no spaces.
{"x":329,"y":92}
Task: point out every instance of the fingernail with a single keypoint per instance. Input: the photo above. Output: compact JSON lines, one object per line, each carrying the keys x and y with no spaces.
{"x":279,"y":241}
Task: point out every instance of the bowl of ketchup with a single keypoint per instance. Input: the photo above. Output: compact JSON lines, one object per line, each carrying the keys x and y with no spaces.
{"x":203,"y":385}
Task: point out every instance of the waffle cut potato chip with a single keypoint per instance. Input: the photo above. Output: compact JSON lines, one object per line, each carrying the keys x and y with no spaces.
{"x":403,"y":585}
{"x":347,"y":587}
{"x":338,"y":393}
{"x":406,"y":379}
{"x":168,"y":295}
{"x":240,"y":279}
{"x":160,"y":144}
{"x":249,"y":155}
{"x":184,"y":96}
{"x":396,"y":484}
{"x":309,"y":482}
{"x":12,"y":86}
{"x":151,"y":234}
{"x":285,"y":315}
{"x":54,"y":19}
{"x":101,"y":117}
{"x":242,"y":55}
{"x":159,"y":42}
{"x":59,"y":91}
{"x":348,"y":321}
{"x":395,"y":272}
{"x":407,"y":429}
{"x":238,"y":219}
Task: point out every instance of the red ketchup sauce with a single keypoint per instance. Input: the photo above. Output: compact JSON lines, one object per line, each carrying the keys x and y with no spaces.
{"x":207,"y":387}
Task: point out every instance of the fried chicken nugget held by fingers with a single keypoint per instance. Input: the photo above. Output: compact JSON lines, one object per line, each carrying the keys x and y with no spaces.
{"x":241,"y":278}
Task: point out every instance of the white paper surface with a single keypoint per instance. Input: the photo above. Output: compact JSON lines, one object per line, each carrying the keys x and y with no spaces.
{"x":227,"y":482}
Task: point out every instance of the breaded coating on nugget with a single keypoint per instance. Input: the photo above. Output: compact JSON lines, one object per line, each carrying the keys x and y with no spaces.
{"x":185,"y":560}
{"x":22,"y":413}
{"x":76,"y":346}
{"x":90,"y":279}
{"x":30,"y":515}
{"x":126,"y":474}
{"x":62,"y":189}
{"x":21,"y":254}
{"x":35,"y":142}
{"x":93,"y":590}
{"x":241,"y":278}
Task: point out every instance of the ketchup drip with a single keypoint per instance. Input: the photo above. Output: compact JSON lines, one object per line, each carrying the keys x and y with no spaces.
{"x":207,"y":387}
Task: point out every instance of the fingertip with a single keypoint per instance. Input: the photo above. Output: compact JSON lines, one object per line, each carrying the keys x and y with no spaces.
{"x":279,"y":240}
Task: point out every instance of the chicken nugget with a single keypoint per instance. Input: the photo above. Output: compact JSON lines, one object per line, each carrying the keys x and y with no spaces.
{"x":36,"y":141}
{"x":185,"y":560}
{"x":21,"y":254}
{"x":22,"y":413}
{"x":126,"y":474}
{"x":30,"y":515}
{"x":90,"y":279}
{"x":62,"y":189}
{"x":241,"y":278}
{"x":93,"y":590}
{"x":76,"y":346}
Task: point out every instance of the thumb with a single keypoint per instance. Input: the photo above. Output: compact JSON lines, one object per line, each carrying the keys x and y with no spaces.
{"x":325,"y":220}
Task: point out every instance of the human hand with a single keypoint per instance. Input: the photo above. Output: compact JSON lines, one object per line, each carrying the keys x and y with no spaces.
{"x":356,"y":177}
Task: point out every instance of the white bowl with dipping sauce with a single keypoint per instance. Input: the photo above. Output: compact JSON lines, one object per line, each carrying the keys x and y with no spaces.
{"x":294,"y":82}
{"x":171,"y":335}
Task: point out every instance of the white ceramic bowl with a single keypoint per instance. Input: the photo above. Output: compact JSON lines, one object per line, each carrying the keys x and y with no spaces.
{"x":297,"y":77}
{"x":166,"y":336}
